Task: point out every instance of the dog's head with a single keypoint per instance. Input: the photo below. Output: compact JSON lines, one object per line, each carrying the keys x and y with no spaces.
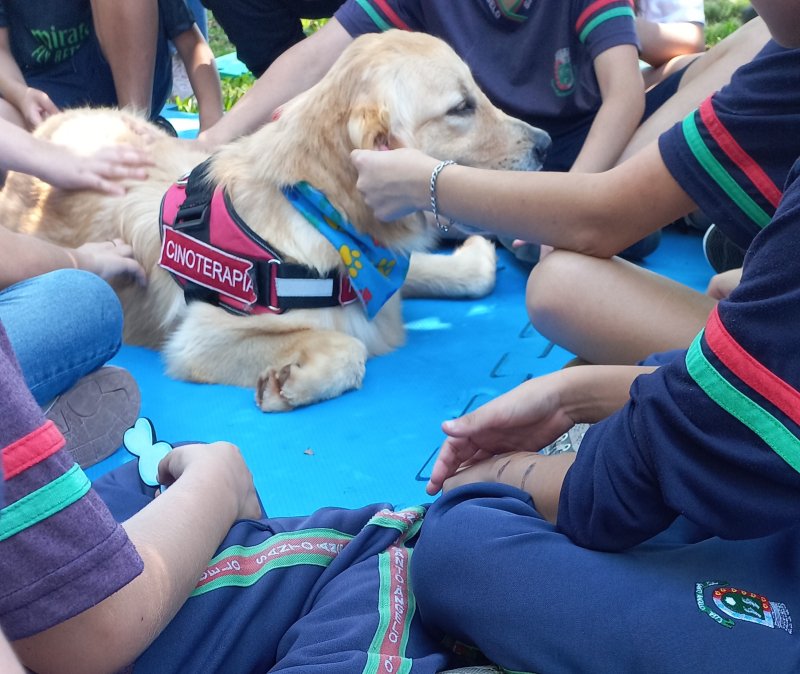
{"x":394,"y":89}
{"x":414,"y":91}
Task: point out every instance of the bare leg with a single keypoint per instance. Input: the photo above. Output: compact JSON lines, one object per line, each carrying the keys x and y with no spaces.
{"x":653,"y":76}
{"x":611,"y":311}
{"x":705,"y":75}
{"x":128,"y":34}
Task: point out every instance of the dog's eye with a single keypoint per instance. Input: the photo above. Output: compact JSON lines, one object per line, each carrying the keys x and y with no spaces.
{"x":465,"y":107}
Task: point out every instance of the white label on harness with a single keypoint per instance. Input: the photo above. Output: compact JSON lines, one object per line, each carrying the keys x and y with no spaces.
{"x":304,"y":287}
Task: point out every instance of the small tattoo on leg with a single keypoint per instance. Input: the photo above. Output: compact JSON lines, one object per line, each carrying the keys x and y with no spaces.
{"x":528,"y":471}
{"x":502,"y":468}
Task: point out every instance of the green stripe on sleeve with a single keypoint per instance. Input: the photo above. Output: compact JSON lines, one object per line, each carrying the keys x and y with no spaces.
{"x":602,"y":18}
{"x":718,"y":173}
{"x":782,"y":441}
{"x":44,"y":502}
{"x":376,"y":18}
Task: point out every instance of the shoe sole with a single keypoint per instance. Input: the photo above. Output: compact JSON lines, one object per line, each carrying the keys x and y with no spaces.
{"x":95,"y":413}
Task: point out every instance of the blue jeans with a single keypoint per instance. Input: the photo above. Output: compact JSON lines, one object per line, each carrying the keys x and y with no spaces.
{"x":62,"y":326}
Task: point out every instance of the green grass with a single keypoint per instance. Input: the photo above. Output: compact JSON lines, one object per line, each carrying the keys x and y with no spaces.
{"x":217,"y":40}
{"x":722,"y":18}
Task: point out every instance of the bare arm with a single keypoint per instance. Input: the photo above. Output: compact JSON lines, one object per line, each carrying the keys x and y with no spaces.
{"x":12,"y":83}
{"x":203,"y":75}
{"x":663,"y":41}
{"x":23,"y":257}
{"x":176,"y":535}
{"x":526,"y":419}
{"x":617,"y":71}
{"x":128,"y":34}
{"x":61,"y":167}
{"x":598,"y":214}
{"x":294,"y":71}
{"x":33,"y":105}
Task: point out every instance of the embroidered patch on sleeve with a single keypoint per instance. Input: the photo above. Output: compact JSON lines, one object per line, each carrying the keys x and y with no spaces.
{"x":734,"y":604}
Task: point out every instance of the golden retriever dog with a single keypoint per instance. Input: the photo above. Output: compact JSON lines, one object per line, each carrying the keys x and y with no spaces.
{"x":394,"y":89}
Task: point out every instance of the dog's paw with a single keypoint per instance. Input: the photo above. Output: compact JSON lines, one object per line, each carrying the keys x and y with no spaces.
{"x":480,"y":256}
{"x":269,"y":396}
{"x":327,"y":365}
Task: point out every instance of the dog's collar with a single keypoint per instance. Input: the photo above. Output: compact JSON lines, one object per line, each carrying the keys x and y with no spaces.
{"x":215,"y":257}
{"x":376,"y":272}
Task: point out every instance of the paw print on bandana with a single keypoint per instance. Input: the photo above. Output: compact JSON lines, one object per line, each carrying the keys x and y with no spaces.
{"x":140,"y":440}
{"x":351,"y":257}
{"x":331,"y":224}
{"x":385,"y":266}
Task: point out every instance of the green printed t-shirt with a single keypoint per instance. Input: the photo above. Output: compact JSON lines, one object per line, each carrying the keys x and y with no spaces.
{"x":43,"y":33}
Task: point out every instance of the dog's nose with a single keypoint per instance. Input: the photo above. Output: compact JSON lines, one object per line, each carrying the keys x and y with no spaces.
{"x":541,"y":144}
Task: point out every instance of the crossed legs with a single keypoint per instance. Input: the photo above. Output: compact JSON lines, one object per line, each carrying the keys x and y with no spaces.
{"x":609,"y":311}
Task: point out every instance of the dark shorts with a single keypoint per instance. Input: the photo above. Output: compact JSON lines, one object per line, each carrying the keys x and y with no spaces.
{"x":662,"y":92}
{"x":261,"y":30}
{"x":85,"y":79}
{"x":567,"y":146}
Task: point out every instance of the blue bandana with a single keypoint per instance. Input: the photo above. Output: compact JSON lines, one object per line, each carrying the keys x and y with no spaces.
{"x":376,"y":273}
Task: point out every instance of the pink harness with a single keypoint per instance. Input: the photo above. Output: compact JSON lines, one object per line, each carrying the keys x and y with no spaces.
{"x":215,"y":257}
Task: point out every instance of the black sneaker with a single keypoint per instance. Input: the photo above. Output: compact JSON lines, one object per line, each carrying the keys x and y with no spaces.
{"x":722,"y":253}
{"x":697,"y":220}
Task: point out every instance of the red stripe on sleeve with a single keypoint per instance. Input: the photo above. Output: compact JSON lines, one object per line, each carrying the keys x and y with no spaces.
{"x":749,"y":370}
{"x":391,"y":15}
{"x":31,"y":449}
{"x":591,"y":9}
{"x":737,"y":154}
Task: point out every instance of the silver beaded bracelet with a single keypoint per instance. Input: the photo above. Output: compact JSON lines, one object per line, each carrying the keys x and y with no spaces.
{"x":434,"y":176}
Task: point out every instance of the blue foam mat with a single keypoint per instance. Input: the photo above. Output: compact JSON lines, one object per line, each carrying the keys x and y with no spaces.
{"x":229,"y":65}
{"x":378,"y":443}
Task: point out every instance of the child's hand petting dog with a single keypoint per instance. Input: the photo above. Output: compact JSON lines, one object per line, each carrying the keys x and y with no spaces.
{"x":390,"y":181}
{"x":110,"y":260}
{"x":101,"y":171}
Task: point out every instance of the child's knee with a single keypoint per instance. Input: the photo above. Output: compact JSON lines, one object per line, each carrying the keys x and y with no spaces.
{"x":460,"y":527}
{"x":89,"y":294}
{"x":550,"y":284}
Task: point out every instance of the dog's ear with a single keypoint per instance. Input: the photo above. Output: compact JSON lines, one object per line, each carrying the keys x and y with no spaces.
{"x":368,"y":127}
